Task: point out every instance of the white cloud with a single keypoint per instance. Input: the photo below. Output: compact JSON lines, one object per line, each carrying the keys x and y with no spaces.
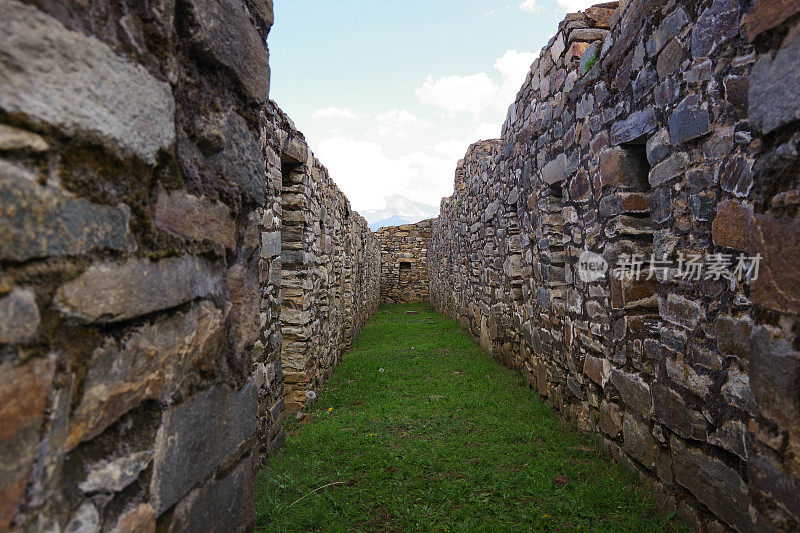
{"x":529,"y":6}
{"x":459,"y":94}
{"x":573,"y":6}
{"x":478,"y":93}
{"x":336,"y":113}
{"x":490,"y":14}
{"x":399,"y":123}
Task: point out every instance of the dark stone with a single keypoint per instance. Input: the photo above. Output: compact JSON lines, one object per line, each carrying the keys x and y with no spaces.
{"x":672,"y":167}
{"x":717,"y":23}
{"x":610,"y":206}
{"x":195,"y":217}
{"x":737,"y":176}
{"x":634,"y":391}
{"x":113,"y":292}
{"x":623,"y":167}
{"x":775,"y":375}
{"x":224,"y":506}
{"x":660,"y":204}
{"x":712,"y":482}
{"x":689,"y":120}
{"x":768,"y":14}
{"x":270,"y":244}
{"x":242,"y":161}
{"x":670,"y":58}
{"x":778,"y":242}
{"x":645,"y":81}
{"x":733,"y":335}
{"x":634,"y":127}
{"x":224,"y":34}
{"x":773,"y":83}
{"x":42,"y":221}
{"x":767,"y":477}
{"x":671,"y":410}
{"x":680,"y":311}
{"x":702,"y":206}
{"x":555,"y":170}
{"x":737,"y":89}
{"x":610,"y":420}
{"x":639,"y":443}
{"x":733,"y":225}
{"x":183,"y":457}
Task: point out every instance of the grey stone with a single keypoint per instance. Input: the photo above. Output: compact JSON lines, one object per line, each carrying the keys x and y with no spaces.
{"x":672,"y":167}
{"x":767,"y":477}
{"x":645,"y":81}
{"x":717,"y":23}
{"x":680,"y":311}
{"x":731,"y":436}
{"x":242,"y":161}
{"x":115,"y":474}
{"x":773,"y":83}
{"x":224,"y":504}
{"x":195,"y":217}
{"x":736,"y":391}
{"x":689,"y":120}
{"x":671,"y":410}
{"x":634,"y":127}
{"x":85,"y":520}
{"x":774,"y":375}
{"x":47,"y":70}
{"x":555,"y":170}
{"x":270,"y":244}
{"x":702,"y":207}
{"x":183,"y":456}
{"x":713,"y":483}
{"x":670,"y":58}
{"x":43,"y":221}
{"x":634,"y":391}
{"x":19,"y":317}
{"x":658,"y":147}
{"x":610,"y":206}
{"x":639,"y":443}
{"x":589,"y":57}
{"x":113,"y":292}
{"x":224,"y":33}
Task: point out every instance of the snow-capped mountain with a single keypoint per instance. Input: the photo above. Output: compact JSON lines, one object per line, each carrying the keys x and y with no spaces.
{"x":399,"y":210}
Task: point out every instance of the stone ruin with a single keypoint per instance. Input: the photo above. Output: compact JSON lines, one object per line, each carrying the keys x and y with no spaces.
{"x":649,"y":127}
{"x":178,"y":273}
{"x":404,"y":262}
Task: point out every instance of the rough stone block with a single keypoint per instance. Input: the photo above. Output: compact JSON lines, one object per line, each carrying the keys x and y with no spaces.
{"x":555,"y":171}
{"x":778,"y":283}
{"x":195,"y":217}
{"x":241,"y":162}
{"x":716,"y":24}
{"x":151,"y":362}
{"x":636,"y":126}
{"x":773,"y":99}
{"x":671,"y":410}
{"x":768,"y":14}
{"x":19,"y":317}
{"x":689,"y":120}
{"x":113,"y":292}
{"x":626,"y":168}
{"x":23,"y":396}
{"x":46,"y":70}
{"x":43,"y":221}
{"x":610,"y":420}
{"x":224,"y":33}
{"x":680,"y":311}
{"x":140,"y":519}
{"x":183,"y":457}
{"x":639,"y":443}
{"x":733,"y":335}
{"x":713,"y":483}
{"x":732,"y":225}
{"x":775,"y":375}
{"x":634,"y":391}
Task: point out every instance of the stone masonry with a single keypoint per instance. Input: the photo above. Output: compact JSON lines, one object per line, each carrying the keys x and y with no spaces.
{"x":404,"y":262}
{"x":649,"y":127}
{"x":145,"y":179}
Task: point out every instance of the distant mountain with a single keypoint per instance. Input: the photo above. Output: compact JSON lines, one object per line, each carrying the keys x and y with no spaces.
{"x":399,"y":210}
{"x":394,"y":220}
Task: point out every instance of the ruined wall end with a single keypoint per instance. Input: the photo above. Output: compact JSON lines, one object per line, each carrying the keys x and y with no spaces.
{"x":404,"y":262}
{"x":661,"y":129}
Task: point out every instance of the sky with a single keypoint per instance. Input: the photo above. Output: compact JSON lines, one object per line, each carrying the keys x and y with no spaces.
{"x":390,"y":94}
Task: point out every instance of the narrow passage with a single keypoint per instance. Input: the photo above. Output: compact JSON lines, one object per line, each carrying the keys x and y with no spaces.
{"x":420,"y":430}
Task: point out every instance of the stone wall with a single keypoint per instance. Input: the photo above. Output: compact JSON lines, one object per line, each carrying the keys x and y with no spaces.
{"x":404,"y":262}
{"x":140,"y":263}
{"x":653,"y":127}
{"x":331,"y":271}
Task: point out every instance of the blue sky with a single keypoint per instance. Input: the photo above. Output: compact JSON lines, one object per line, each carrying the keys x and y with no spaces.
{"x":390,"y":93}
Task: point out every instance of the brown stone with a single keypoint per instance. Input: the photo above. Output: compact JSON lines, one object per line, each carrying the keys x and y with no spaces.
{"x":778,"y":283}
{"x":610,"y":421}
{"x":732,"y":225}
{"x":24,"y":391}
{"x":634,"y":391}
{"x":598,"y":370}
{"x":140,"y":519}
{"x":768,"y":14}
{"x":195,"y":217}
{"x":733,"y":335}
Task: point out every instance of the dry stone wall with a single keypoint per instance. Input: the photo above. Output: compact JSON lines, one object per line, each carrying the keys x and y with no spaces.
{"x":331,"y":270}
{"x":666,"y":128}
{"x":141,"y":207}
{"x":404,"y":262}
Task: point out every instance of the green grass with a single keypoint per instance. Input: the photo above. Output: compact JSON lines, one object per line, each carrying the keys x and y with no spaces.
{"x":443,"y":439}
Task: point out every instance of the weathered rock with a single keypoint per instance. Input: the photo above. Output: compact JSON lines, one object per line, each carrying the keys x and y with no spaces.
{"x":15,"y":139}
{"x":689,"y":120}
{"x":45,"y":69}
{"x":634,"y":127}
{"x":195,"y":217}
{"x":773,"y":102}
{"x":85,"y":520}
{"x":114,"y":475}
{"x":152,"y":362}
{"x":42,"y":221}
{"x":222,"y":506}
{"x":717,"y":23}
{"x":610,"y":421}
{"x":737,"y":393}
{"x":732,"y":227}
{"x":19,"y":317}
{"x":639,"y":443}
{"x":713,"y":483}
{"x":113,"y":292}
{"x":733,"y":335}
{"x":23,"y":396}
{"x":671,"y":410}
{"x":224,"y":33}
{"x":634,"y":391}
{"x":626,"y":168}
{"x":270,"y":244}
{"x":241,"y":162}
{"x":768,"y":14}
{"x":731,"y":436}
{"x":778,"y":283}
{"x":774,"y":375}
{"x":598,"y":370}
{"x":140,"y":519}
{"x":768,"y":478}
{"x":219,"y":415}
{"x":555,"y":171}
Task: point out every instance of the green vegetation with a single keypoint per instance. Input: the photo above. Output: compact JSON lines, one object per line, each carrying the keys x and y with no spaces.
{"x":418,"y":430}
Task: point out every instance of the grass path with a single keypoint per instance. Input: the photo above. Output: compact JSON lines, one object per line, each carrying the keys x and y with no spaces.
{"x":418,"y":430}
